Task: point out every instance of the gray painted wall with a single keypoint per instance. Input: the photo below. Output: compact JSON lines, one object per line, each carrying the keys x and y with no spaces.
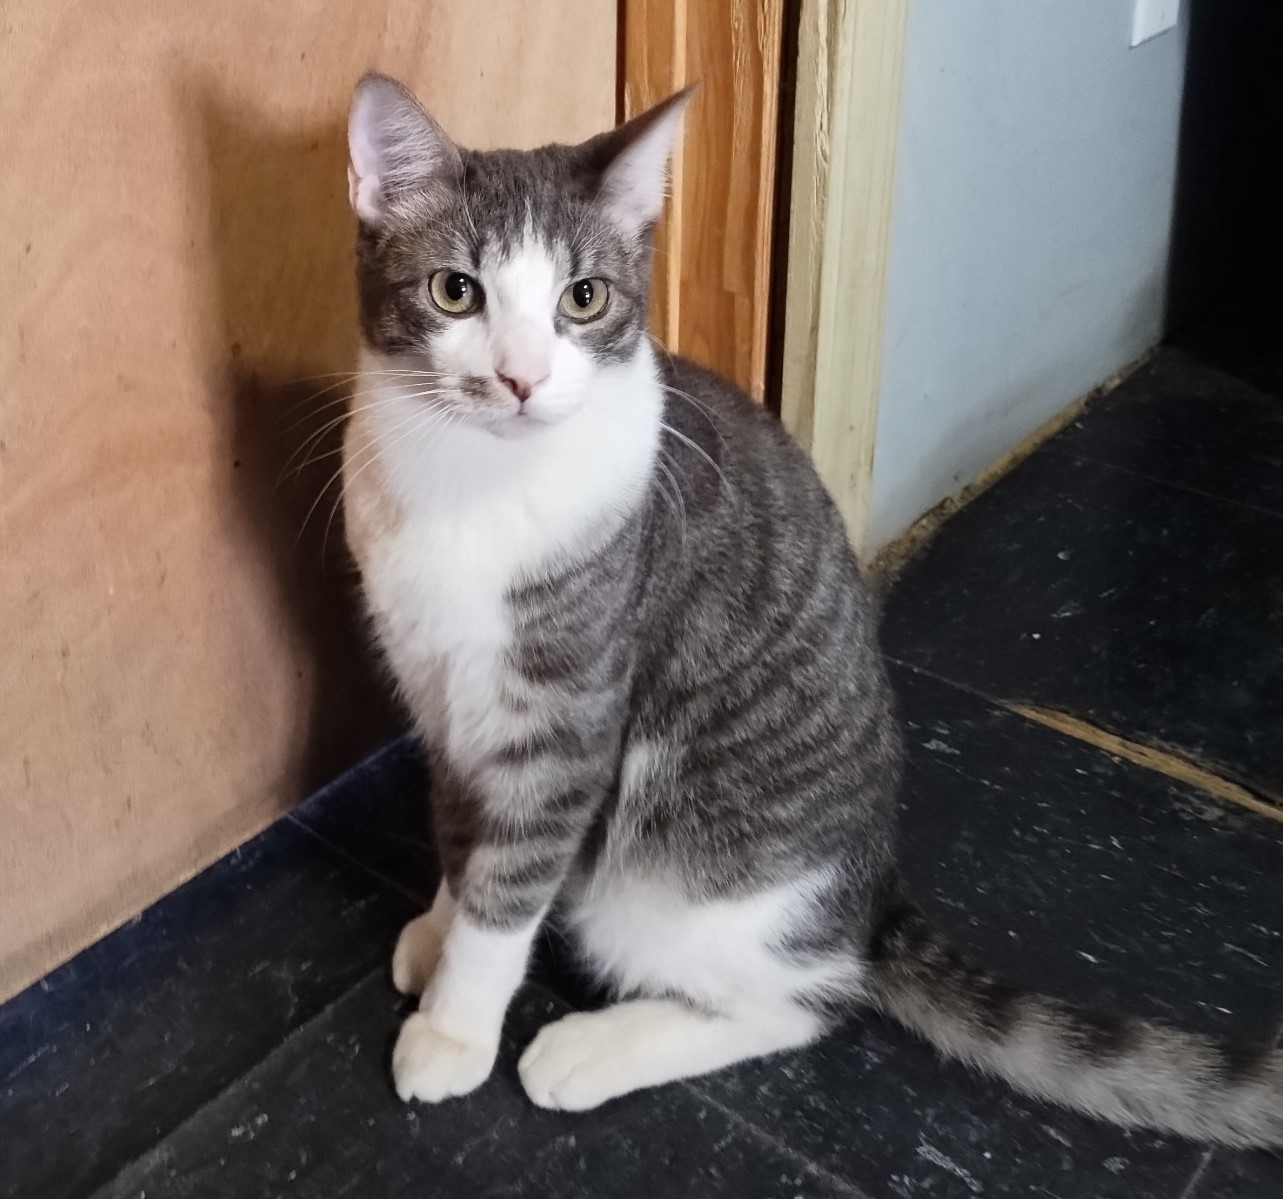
{"x":1033,"y":210}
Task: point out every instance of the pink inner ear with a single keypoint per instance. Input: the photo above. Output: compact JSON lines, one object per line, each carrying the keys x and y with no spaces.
{"x":392,"y":145}
{"x":636,"y":182}
{"x":365,"y":195}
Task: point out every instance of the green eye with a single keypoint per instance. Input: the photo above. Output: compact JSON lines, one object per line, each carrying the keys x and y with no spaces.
{"x":585,"y":299}
{"x":454,"y":292}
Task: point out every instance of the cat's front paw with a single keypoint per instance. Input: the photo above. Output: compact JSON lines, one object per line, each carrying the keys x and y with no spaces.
{"x":431,"y":1066}
{"x":576,"y":1063}
{"x":418,"y":949}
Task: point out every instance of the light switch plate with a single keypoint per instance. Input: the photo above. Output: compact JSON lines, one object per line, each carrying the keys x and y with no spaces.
{"x":1152,"y":17}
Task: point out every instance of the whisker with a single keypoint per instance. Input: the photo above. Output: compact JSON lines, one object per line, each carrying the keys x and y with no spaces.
{"x":343,"y":399}
{"x":308,"y":516}
{"x":421,"y":392}
{"x":373,"y":442}
{"x":311,"y":440}
{"x":325,"y":407}
{"x":333,"y":423}
{"x":699,"y":407}
{"x":694,"y":445}
{"x":433,"y":420}
{"x":660,"y":346}
{"x":338,"y":502}
{"x":316,"y":395}
{"x":371,"y":370}
{"x":679,"y":509}
{"x":343,"y":377}
{"x":302,"y":466}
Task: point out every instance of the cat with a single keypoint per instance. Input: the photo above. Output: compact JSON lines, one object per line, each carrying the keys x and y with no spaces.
{"x":626,"y":618}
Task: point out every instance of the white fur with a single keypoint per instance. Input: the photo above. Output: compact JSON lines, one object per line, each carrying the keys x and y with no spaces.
{"x":473,"y":514}
{"x":642,"y":762}
{"x":448,"y":1047}
{"x":514,"y":335}
{"x":520,"y":302}
{"x":586,"y":1058}
{"x":725,"y":954}
{"x":418,"y":948}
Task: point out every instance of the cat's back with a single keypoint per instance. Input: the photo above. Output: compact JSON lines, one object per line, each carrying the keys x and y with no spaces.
{"x":750,"y":549}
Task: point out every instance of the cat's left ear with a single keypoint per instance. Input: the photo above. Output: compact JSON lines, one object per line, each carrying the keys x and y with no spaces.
{"x":631,"y":163}
{"x":394,"y":147}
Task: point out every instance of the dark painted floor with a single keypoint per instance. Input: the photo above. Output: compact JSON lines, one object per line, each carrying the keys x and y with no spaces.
{"x":234,"y":1040}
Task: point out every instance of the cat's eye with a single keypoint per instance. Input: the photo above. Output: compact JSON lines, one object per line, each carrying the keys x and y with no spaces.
{"x":454,"y":292}
{"x":585,"y":299}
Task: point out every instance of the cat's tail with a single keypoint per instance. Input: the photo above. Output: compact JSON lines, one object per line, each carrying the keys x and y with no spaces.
{"x":1129,"y":1071}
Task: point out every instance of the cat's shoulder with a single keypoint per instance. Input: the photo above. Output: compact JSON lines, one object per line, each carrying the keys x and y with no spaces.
{"x":702,"y":382}
{"x":705,"y":390}
{"x":709,"y":407}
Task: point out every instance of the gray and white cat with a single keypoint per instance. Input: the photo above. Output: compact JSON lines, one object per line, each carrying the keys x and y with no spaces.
{"x":625,"y":616}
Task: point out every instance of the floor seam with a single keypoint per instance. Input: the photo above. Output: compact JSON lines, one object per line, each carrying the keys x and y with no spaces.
{"x":751,"y":1126}
{"x":1138,"y":753}
{"x":1170,"y":763}
{"x":1194,"y":1179}
{"x":1064,"y":452}
{"x":159,"y":1143}
{"x":338,"y":850}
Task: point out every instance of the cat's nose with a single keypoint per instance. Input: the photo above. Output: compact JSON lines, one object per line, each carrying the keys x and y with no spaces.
{"x":519,"y":386}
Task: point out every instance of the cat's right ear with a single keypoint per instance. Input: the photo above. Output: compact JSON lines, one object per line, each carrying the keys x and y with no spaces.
{"x":394,"y":147}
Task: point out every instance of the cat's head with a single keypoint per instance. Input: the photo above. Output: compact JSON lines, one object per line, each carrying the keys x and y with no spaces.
{"x":511,"y":280}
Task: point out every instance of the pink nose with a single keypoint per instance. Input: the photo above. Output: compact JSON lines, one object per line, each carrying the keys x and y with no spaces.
{"x":519,"y":387}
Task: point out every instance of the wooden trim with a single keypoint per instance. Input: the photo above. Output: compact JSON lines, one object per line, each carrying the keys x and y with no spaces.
{"x":886,"y":565}
{"x":846,"y":124}
{"x":786,"y":106}
{"x":712,"y":282}
{"x":1175,"y":766}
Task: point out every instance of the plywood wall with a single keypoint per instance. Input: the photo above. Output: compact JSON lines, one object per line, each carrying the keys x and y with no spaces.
{"x":180,"y":655}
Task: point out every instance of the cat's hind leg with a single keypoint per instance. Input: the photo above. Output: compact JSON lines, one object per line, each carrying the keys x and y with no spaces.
{"x":586,"y":1058}
{"x":717,"y":981}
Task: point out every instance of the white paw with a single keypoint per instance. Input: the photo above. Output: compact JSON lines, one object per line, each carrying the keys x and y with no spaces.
{"x":431,"y":1066}
{"x":578,"y":1062}
{"x":418,"y":949}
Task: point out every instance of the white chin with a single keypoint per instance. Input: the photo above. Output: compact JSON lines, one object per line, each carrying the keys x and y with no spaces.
{"x":518,"y":426}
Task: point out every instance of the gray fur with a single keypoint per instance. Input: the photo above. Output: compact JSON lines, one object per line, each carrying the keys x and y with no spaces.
{"x":726,"y":622}
{"x":1134,"y":1072}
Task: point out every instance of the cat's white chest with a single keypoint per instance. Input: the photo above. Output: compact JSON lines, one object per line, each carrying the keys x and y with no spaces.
{"x":436,"y":587}
{"x":445,"y":628}
{"x":445,"y":527}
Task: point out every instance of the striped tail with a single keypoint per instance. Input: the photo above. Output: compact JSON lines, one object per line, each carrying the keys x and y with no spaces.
{"x":1129,"y":1071}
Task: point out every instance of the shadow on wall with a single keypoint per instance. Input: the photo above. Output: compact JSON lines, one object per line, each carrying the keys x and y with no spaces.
{"x":281,"y":336}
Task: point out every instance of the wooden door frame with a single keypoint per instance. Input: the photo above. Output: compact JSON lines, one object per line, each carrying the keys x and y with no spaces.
{"x":831,"y":211}
{"x":711,"y":294}
{"x":845,"y":133}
